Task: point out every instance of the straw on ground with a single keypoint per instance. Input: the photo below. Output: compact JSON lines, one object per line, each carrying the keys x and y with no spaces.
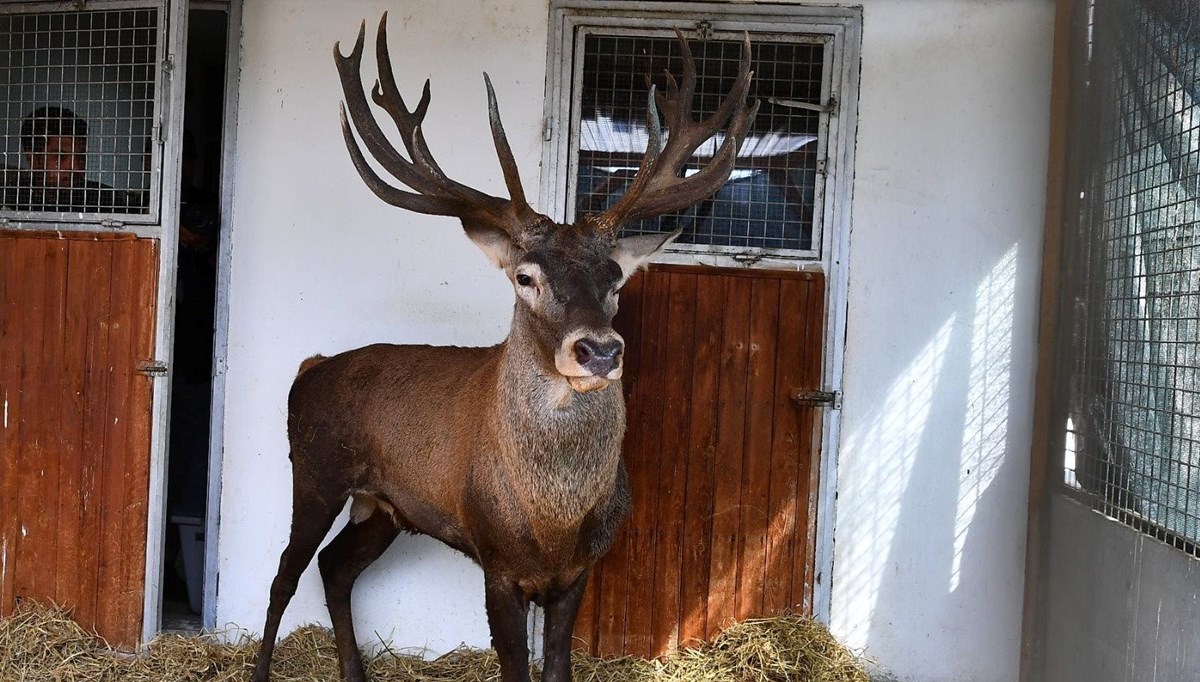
{"x":42,"y":643}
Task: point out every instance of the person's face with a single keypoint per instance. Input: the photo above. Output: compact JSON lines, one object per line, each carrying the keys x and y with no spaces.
{"x":62,"y":161}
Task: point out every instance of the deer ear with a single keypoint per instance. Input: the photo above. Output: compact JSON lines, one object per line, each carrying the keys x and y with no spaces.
{"x":496,"y":244}
{"x":632,"y":253}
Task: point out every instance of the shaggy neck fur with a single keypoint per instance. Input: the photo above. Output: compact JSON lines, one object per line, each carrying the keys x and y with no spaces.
{"x":559,"y":447}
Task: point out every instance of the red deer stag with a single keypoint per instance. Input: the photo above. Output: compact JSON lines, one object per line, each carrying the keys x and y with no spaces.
{"x":509,"y":454}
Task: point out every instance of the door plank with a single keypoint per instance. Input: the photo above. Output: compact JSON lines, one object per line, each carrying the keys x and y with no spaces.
{"x":810,"y":431}
{"x":731,"y":410}
{"x":785,"y":513}
{"x":701,"y":474}
{"x":74,"y":360}
{"x":759,"y":417}
{"x":125,"y":484}
{"x":30,"y":554}
{"x":12,"y":294}
{"x":641,"y":458}
{"x":50,"y":414}
{"x":674,"y":415}
{"x":96,"y":386}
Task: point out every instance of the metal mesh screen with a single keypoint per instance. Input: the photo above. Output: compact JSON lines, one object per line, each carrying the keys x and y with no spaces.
{"x":1133,"y":446}
{"x":78,"y":113}
{"x":770,"y":200}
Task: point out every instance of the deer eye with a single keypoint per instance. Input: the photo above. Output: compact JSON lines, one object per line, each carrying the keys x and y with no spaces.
{"x":524,"y":280}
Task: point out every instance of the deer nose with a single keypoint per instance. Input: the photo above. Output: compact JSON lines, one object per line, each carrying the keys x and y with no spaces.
{"x":599,"y":357}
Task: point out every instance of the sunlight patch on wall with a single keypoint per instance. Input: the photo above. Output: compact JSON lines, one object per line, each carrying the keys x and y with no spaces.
{"x":985,"y":432}
{"x":887,"y":444}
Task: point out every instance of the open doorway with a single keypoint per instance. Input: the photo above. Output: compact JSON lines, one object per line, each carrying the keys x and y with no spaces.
{"x":200,"y":234}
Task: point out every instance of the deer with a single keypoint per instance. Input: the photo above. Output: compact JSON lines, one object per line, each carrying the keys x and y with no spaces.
{"x":509,"y":454}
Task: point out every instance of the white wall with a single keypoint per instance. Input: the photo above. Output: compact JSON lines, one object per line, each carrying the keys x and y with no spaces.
{"x":944,"y":258}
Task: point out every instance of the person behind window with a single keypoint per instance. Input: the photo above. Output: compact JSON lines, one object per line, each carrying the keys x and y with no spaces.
{"x":54,"y":149}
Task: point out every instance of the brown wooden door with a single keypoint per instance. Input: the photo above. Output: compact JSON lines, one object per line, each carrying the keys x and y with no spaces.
{"x":77,"y":317}
{"x":721,"y":459}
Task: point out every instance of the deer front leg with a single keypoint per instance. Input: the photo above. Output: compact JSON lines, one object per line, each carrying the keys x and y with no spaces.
{"x":507,"y":612}
{"x":560,"y":624}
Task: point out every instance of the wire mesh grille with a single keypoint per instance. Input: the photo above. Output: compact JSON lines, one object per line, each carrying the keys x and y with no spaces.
{"x":78,"y":116}
{"x":770,"y":200}
{"x":1133,"y":441}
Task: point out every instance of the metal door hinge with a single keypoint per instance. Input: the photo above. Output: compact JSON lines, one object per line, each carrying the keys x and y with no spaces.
{"x":152,"y":368}
{"x":113,"y":224}
{"x":818,"y":399}
{"x":704,"y":28}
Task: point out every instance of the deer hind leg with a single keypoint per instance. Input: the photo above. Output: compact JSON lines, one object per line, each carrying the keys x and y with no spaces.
{"x":313,"y":514}
{"x":355,"y":547}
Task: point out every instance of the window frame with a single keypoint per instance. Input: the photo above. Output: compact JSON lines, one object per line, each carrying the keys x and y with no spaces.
{"x":142,"y":224}
{"x":837,"y":27}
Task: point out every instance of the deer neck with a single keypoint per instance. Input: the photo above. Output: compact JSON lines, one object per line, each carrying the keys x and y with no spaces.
{"x":560,"y":449}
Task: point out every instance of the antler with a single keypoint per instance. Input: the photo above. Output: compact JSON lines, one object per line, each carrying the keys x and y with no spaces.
{"x":658,"y":187}
{"x":434,"y":192}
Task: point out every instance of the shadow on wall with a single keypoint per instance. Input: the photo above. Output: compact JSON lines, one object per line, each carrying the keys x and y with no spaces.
{"x":928,"y":498}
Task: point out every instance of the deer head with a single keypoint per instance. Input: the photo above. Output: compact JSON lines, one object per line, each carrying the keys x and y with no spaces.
{"x":566,"y":276}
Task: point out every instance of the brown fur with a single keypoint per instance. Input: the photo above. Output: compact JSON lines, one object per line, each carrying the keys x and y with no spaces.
{"x":311,"y":362}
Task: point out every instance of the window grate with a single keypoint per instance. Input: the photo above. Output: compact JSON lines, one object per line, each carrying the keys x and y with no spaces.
{"x":1133,"y":440}
{"x":78,"y":119}
{"x":770,"y":202}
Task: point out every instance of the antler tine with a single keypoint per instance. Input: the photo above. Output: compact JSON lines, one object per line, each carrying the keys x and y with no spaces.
{"x":658,"y":187}
{"x":376,"y":142}
{"x":677,"y":103}
{"x":642,"y":177}
{"x":434,"y":192}
{"x":387,"y":95}
{"x":512,"y":177}
{"x":396,"y":197}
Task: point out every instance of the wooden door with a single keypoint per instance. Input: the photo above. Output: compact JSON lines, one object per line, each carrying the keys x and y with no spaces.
{"x":77,"y":316}
{"x":722,"y":460}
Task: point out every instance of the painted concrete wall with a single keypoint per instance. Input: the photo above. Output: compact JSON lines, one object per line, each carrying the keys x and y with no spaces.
{"x":1121,"y":605}
{"x":944,"y":256}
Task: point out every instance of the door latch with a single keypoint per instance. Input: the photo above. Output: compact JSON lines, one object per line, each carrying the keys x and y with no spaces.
{"x":152,"y":368}
{"x":817,"y":398}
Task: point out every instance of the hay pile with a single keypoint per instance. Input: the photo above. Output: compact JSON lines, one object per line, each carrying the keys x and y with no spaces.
{"x":39,"y":643}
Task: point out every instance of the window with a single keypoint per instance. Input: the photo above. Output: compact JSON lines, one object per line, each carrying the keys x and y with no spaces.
{"x":776,"y":204}
{"x":1132,"y":273}
{"x":80,"y":119}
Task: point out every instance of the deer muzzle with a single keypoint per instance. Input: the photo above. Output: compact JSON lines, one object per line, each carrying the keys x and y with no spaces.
{"x":590,"y":360}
